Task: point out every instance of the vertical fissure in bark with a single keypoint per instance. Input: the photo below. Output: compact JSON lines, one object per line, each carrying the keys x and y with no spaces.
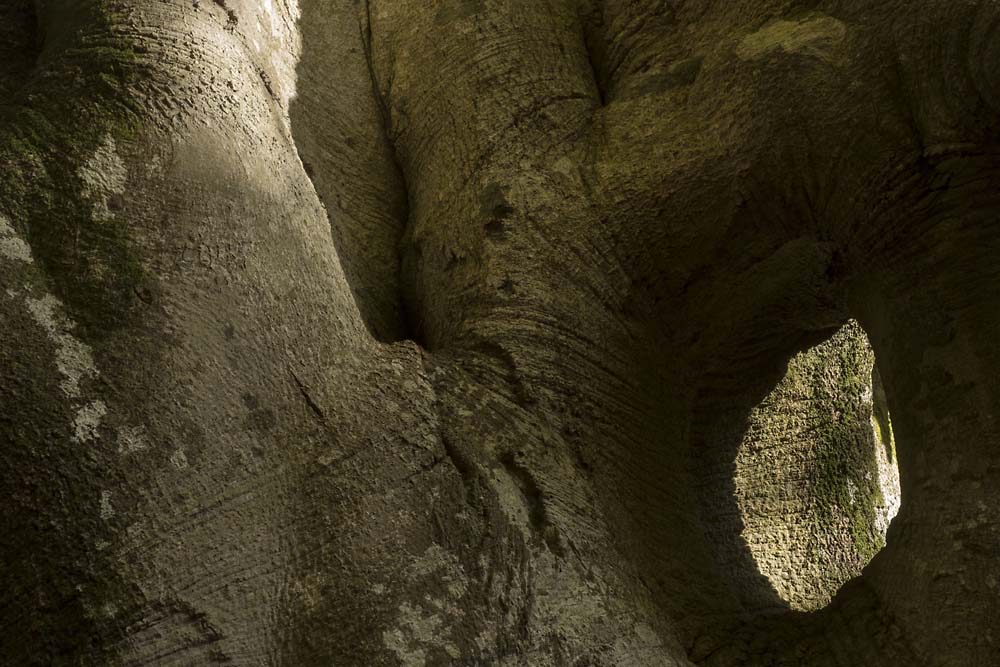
{"x":408,"y":320}
{"x":592,"y":26}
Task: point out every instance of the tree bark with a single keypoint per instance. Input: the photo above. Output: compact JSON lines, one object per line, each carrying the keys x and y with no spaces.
{"x":395,"y":332}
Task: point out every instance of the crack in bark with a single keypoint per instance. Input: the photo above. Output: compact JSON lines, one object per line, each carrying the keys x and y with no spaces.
{"x":314,"y":407}
{"x":409,"y":328}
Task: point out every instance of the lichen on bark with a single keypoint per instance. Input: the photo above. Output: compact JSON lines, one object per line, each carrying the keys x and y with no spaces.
{"x":78,"y":101}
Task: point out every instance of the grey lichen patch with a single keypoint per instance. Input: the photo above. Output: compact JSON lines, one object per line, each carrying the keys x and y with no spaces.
{"x":132,"y":439}
{"x":102,"y":178}
{"x":179,"y":459}
{"x":62,"y":164}
{"x":424,"y":628}
{"x":87,"y":422}
{"x":817,"y":35}
{"x":107,"y":511}
{"x":74,"y":358}
{"x":55,"y":261}
{"x":418,"y":628}
{"x":12,"y":246}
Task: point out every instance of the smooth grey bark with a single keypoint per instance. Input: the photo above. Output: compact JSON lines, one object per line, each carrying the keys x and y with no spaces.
{"x":459,"y":429}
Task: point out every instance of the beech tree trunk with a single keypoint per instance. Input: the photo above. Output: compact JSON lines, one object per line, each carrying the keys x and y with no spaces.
{"x":379,"y":332}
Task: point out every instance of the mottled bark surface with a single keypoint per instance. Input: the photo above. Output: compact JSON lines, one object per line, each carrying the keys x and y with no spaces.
{"x":409,"y":332}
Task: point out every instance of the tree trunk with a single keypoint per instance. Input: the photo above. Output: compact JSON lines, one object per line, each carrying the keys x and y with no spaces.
{"x":363,"y":332}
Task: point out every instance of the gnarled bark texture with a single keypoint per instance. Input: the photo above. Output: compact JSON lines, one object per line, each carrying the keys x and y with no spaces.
{"x":362,"y":332}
